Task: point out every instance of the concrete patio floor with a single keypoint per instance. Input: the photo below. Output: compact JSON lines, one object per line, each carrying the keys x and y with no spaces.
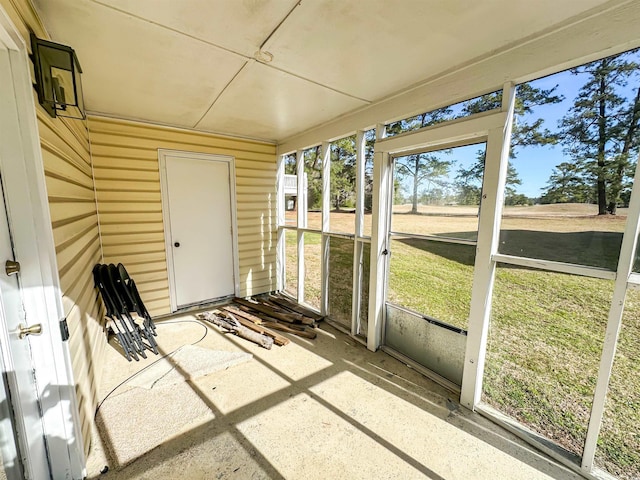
{"x":318,"y":409}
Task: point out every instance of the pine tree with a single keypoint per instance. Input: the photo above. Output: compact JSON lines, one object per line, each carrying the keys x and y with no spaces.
{"x":343,"y":172}
{"x":600,"y":130}
{"x":313,"y":170}
{"x":469,"y":181}
{"x":566,"y":185}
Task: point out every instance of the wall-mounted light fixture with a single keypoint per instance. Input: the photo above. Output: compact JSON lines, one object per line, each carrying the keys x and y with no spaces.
{"x":58,"y":84}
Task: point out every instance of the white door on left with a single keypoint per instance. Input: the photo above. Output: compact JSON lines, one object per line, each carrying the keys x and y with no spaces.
{"x":37,"y":369}
{"x":24,"y":456}
{"x":22,"y":429}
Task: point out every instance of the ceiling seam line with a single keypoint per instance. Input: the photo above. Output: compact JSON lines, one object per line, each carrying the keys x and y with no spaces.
{"x":111,"y":116}
{"x":279,"y":25}
{"x":174,"y":30}
{"x":316,"y":83}
{"x":220,"y":94}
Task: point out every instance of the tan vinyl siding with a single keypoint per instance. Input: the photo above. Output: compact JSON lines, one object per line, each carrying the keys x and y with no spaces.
{"x":65,"y":150}
{"x":125,"y":159}
{"x":67,"y":164}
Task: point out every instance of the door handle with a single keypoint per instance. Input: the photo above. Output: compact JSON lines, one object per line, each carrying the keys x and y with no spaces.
{"x":176,"y":244}
{"x":23,"y":331}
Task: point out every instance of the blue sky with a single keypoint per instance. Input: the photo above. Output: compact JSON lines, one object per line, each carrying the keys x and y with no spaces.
{"x":535,"y":164}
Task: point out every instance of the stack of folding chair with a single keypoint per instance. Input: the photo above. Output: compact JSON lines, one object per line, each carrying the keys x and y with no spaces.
{"x":127,"y":316}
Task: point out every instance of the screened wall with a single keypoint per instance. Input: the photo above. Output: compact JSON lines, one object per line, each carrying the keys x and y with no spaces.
{"x":493,"y":244}
{"x":325,"y":232}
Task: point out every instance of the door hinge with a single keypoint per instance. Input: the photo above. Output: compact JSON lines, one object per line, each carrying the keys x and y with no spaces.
{"x":64,"y":330}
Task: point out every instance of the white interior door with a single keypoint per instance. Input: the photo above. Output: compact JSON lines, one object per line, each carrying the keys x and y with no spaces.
{"x":200,"y":243}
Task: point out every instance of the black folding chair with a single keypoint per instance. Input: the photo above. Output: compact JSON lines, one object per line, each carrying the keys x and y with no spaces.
{"x":122,"y":334}
{"x":138,"y":304}
{"x":131,"y":307}
{"x":127,"y":316}
{"x":112,"y":286}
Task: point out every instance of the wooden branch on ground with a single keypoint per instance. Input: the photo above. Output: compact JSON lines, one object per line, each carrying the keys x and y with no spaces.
{"x":261,"y":316}
{"x":242,"y":313}
{"x":232,"y":324}
{"x":286,"y":328}
{"x":295,"y":307}
{"x":270,"y":321}
{"x":258,"y":314}
{"x":250,"y":324}
{"x":278,"y":308}
{"x":285,"y":317}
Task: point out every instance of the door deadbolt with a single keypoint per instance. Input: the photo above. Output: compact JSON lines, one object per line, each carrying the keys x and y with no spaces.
{"x":32,"y":330}
{"x":11,"y":267}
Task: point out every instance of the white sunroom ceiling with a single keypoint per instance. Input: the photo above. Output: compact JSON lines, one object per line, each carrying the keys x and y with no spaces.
{"x":192,"y":63}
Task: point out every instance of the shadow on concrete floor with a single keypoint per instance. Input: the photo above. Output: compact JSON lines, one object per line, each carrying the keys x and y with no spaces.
{"x":325,"y":408}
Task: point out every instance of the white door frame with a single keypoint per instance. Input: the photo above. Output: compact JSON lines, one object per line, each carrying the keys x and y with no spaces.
{"x":166,"y":218}
{"x":458,"y":132}
{"x":30,"y":223}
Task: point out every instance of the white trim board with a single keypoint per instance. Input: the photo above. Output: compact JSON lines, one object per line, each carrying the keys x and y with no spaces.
{"x":490,"y":215}
{"x":459,"y":132}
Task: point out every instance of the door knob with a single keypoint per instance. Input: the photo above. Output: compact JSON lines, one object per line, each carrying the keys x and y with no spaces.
{"x":35,"y":329}
{"x":177,"y":244}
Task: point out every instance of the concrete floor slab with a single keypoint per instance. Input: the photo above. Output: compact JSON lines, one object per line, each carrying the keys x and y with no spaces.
{"x":326,"y":408}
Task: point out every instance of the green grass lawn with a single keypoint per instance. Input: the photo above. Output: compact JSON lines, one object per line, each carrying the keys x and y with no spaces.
{"x":432,"y":278}
{"x":364,"y":301}
{"x":312,"y":266}
{"x":546,"y":332}
{"x":340,"y":276}
{"x":545,"y":340}
{"x":340,"y":293}
{"x":291,"y":262}
{"x":312,"y":269}
{"x":546,"y":337}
